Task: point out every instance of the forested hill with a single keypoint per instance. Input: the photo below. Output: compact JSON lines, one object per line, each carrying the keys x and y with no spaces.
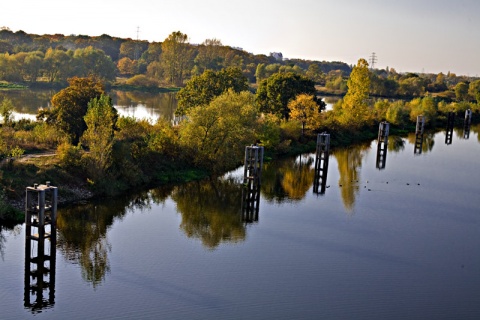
{"x":55,"y":58}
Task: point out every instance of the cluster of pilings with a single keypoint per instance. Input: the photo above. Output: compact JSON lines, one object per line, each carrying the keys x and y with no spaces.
{"x":40,"y":246}
{"x":252,"y":178}
{"x":322,"y":155}
{"x":451,"y":122}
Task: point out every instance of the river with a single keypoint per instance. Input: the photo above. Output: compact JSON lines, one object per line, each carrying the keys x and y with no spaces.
{"x":397,"y":239}
{"x":140,"y":105}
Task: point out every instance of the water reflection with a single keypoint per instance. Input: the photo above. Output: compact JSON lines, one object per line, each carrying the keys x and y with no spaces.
{"x":211,"y":210}
{"x":423,"y":142}
{"x":141,"y":105}
{"x":288,"y":179}
{"x":396,"y":144}
{"x":28,"y":101}
{"x":144,"y":105}
{"x":349,"y":162}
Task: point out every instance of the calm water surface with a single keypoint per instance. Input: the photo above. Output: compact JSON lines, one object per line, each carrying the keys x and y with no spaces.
{"x":140,"y":105}
{"x":397,"y":243}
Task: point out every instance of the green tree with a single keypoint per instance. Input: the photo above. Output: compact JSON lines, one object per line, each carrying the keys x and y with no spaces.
{"x":461,"y":91}
{"x":411,"y":86}
{"x":200,"y":90}
{"x":474,"y":90}
{"x":355,"y":110}
{"x":56,"y":64}
{"x":6,"y":110}
{"x":33,"y":64}
{"x":304,"y":109}
{"x":315,"y":73}
{"x":91,"y":61}
{"x":69,"y":106}
{"x":423,"y":106}
{"x":100,"y":120}
{"x":209,"y":55}
{"x":275,"y":92}
{"x":176,"y":58}
{"x":217,"y":133}
{"x":260,"y":72}
{"x":397,"y":114}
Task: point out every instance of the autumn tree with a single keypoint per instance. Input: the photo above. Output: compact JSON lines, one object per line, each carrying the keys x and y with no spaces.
{"x":100,"y":119}
{"x":6,"y":110}
{"x":200,"y":90}
{"x":209,"y":55}
{"x":461,"y":91}
{"x":56,"y":64}
{"x":176,"y":57}
{"x":275,"y":92}
{"x":217,"y":133}
{"x":305,"y":109}
{"x":69,"y":106}
{"x":260,"y":72}
{"x":126,"y":66}
{"x":474,"y":90}
{"x":94,"y":62}
{"x":33,"y":64}
{"x":354,"y":107}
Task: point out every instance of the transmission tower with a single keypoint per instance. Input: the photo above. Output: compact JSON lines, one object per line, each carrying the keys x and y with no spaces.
{"x":137,"y":48}
{"x":373,"y":60}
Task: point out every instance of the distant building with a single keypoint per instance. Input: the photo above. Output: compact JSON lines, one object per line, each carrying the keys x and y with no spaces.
{"x":277,"y":55}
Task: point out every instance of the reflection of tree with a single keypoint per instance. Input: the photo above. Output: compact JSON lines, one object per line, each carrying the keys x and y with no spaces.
{"x":475,"y":128}
{"x":428,"y":141}
{"x":289,"y":178}
{"x":297,"y":179}
{"x":211,"y":210}
{"x":28,"y":101}
{"x":3,"y":239}
{"x":349,"y":161}
{"x":395,"y":144}
{"x":82,"y":230}
{"x":82,"y":238}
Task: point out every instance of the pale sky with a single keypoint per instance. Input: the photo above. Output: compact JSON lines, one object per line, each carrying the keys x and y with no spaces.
{"x":408,"y":35}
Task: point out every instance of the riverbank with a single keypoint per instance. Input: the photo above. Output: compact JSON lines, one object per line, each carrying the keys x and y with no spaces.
{"x":27,"y":170}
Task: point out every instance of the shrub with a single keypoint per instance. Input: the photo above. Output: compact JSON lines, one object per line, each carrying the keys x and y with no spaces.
{"x":141,"y":80}
{"x":69,"y":155}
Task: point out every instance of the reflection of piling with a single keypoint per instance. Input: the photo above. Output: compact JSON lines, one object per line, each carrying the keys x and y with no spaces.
{"x":40,"y":260}
{"x":381,"y":156}
{"x":251,"y":182}
{"x":321,"y":163}
{"x":420,"y":125}
{"x":419,"y":134}
{"x":449,"y":129}
{"x":383,"y":131}
{"x":467,"y":123}
{"x":250,"y":202}
{"x":418,"y":143}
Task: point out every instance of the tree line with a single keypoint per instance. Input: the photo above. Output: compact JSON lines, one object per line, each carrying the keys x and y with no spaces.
{"x":55,"y":58}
